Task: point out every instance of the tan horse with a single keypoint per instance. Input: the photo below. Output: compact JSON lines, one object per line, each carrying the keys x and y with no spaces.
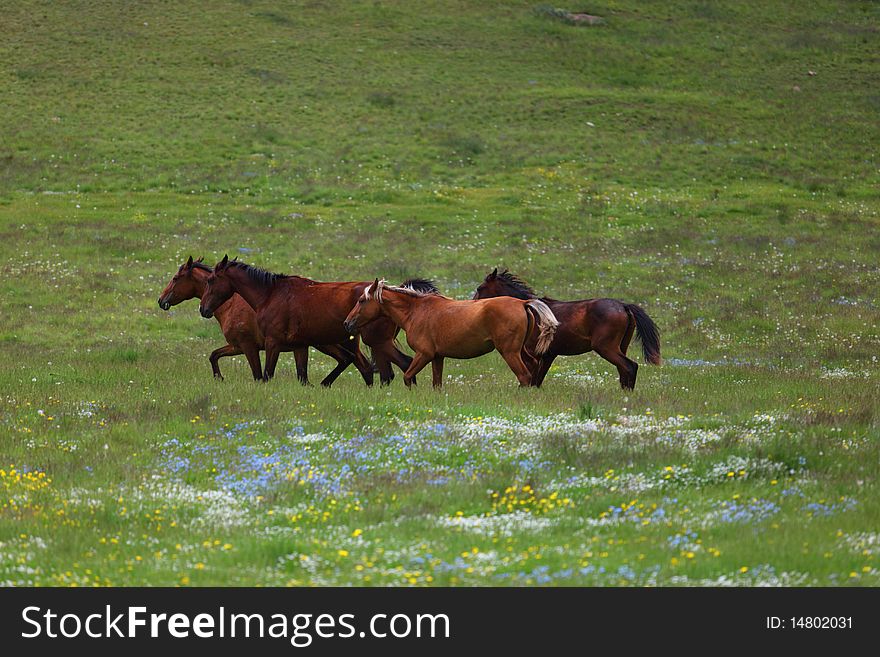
{"x":438,"y":327}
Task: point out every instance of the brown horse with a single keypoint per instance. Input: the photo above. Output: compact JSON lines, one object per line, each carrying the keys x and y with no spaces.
{"x":238,"y":322}
{"x":601,"y":325}
{"x":292,"y":312}
{"x":438,"y":327}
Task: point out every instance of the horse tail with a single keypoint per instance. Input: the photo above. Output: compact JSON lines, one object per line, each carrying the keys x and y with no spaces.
{"x":647,"y":332}
{"x":545,"y":322}
{"x":531,"y":320}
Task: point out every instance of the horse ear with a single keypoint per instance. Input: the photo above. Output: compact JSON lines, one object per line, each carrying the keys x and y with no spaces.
{"x":222,"y":264}
{"x":493,"y":274}
{"x":200,"y":258}
{"x":189,"y":263}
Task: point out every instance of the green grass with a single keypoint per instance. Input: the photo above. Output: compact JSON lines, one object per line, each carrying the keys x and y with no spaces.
{"x":681,"y":156}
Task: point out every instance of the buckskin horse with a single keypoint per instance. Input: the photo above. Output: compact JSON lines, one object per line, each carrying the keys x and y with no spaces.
{"x":602,"y":325}
{"x":438,"y":327}
{"x":292,"y":312}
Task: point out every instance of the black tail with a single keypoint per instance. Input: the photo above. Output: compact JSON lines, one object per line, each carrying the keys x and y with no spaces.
{"x":423,"y":285}
{"x":647,"y":332}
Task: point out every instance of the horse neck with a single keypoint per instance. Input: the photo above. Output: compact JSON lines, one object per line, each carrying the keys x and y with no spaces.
{"x":255,"y":294}
{"x":200,"y":280}
{"x":398,"y":307}
{"x":517,"y":294}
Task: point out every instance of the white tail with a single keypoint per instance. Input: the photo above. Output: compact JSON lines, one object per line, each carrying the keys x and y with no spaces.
{"x":546,"y":323}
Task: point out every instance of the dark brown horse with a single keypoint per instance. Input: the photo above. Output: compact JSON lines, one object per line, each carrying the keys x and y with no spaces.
{"x":292,"y":312}
{"x":602,"y":325}
{"x":438,"y":327}
{"x":238,"y":322}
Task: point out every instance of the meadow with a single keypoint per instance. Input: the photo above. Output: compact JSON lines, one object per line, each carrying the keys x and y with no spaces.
{"x":715,"y":163}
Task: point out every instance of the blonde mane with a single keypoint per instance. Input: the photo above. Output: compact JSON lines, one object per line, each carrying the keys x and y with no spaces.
{"x":371,"y":293}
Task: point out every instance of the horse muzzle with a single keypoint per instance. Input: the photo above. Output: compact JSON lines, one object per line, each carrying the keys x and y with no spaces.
{"x":204,"y":312}
{"x":164,"y":304}
{"x":350,"y":326}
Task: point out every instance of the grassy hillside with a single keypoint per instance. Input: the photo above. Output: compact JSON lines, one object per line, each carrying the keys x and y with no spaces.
{"x":714,"y":162}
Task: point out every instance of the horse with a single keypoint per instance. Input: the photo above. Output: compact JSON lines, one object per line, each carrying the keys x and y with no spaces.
{"x":293,"y":311}
{"x":238,"y":322}
{"x":438,"y":327}
{"x":374,"y":336}
{"x":602,"y":325}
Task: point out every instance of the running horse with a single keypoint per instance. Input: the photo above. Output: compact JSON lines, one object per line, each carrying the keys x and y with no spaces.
{"x":293,"y":312}
{"x":239,"y":326}
{"x":438,"y":327}
{"x":602,"y":325}
{"x":237,"y":320}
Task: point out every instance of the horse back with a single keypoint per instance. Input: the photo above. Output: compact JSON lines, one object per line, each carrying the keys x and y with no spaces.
{"x":316,"y":311}
{"x":582,"y":322}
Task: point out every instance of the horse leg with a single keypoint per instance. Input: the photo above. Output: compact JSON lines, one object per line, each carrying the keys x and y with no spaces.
{"x":626,"y":367}
{"x":272,"y":352}
{"x":542,"y":368}
{"x":301,"y":358}
{"x":217,"y":354}
{"x":437,"y":371}
{"x":363,"y":365}
{"x":628,"y":334}
{"x":418,"y":363}
{"x":514,"y":360}
{"x":531,"y":361}
{"x":400,"y":359}
{"x":252,"y":353}
{"x":343,"y":359}
{"x":383,"y":364}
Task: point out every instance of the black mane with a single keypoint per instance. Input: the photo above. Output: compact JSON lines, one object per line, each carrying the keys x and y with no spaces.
{"x":198,"y":264}
{"x":517,"y":287}
{"x":422,"y":285}
{"x":257,"y":274}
